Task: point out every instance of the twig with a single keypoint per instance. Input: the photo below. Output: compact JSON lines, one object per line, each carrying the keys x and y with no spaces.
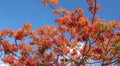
{"x":93,"y":18}
{"x":16,"y":43}
{"x":52,"y":6}
{"x":13,"y":53}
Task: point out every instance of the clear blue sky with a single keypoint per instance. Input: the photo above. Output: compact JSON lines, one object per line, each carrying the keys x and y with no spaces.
{"x":13,"y":13}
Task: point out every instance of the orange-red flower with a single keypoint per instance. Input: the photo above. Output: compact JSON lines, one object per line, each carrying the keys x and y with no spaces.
{"x":8,"y":59}
{"x":17,"y":63}
{"x":27,"y":26}
{"x":45,"y":2}
{"x":19,"y":34}
{"x":63,"y":28}
{"x":9,"y":47}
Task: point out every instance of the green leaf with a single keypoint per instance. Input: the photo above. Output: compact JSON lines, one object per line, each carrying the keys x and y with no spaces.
{"x":117,"y":46}
{"x":117,"y":33}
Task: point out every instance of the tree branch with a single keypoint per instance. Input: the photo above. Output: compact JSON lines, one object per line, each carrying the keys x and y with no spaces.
{"x":94,"y":13}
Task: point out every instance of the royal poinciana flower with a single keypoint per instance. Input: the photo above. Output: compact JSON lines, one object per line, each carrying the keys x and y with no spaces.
{"x":46,"y":2}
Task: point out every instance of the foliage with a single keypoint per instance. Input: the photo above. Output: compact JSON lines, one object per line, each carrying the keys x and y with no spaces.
{"x":90,"y":39}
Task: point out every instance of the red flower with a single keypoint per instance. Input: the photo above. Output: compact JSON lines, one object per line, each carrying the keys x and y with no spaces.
{"x":19,"y":34}
{"x":54,"y":2}
{"x":17,"y":63}
{"x":9,"y":59}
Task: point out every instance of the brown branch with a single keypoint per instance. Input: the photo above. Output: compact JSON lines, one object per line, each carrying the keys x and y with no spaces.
{"x":16,"y":43}
{"x":13,"y":53}
{"x":54,"y":62}
{"x":111,"y":62}
{"x":1,"y":42}
{"x":50,"y":4}
{"x":93,"y":18}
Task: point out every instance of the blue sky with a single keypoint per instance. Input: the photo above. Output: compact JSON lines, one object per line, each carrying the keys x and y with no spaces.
{"x":13,"y":13}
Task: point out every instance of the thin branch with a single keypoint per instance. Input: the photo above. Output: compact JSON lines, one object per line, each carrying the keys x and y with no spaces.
{"x":55,"y":60}
{"x":1,"y":42}
{"x":111,"y":62}
{"x":93,"y":18}
{"x":13,"y":53}
{"x":16,"y":43}
{"x":52,"y":6}
{"x":90,"y":45}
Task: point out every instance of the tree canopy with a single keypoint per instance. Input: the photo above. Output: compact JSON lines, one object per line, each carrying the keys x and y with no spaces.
{"x":91,"y":40}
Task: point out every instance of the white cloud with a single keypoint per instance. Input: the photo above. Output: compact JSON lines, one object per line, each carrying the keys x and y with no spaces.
{"x":77,"y":48}
{"x":2,"y":64}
